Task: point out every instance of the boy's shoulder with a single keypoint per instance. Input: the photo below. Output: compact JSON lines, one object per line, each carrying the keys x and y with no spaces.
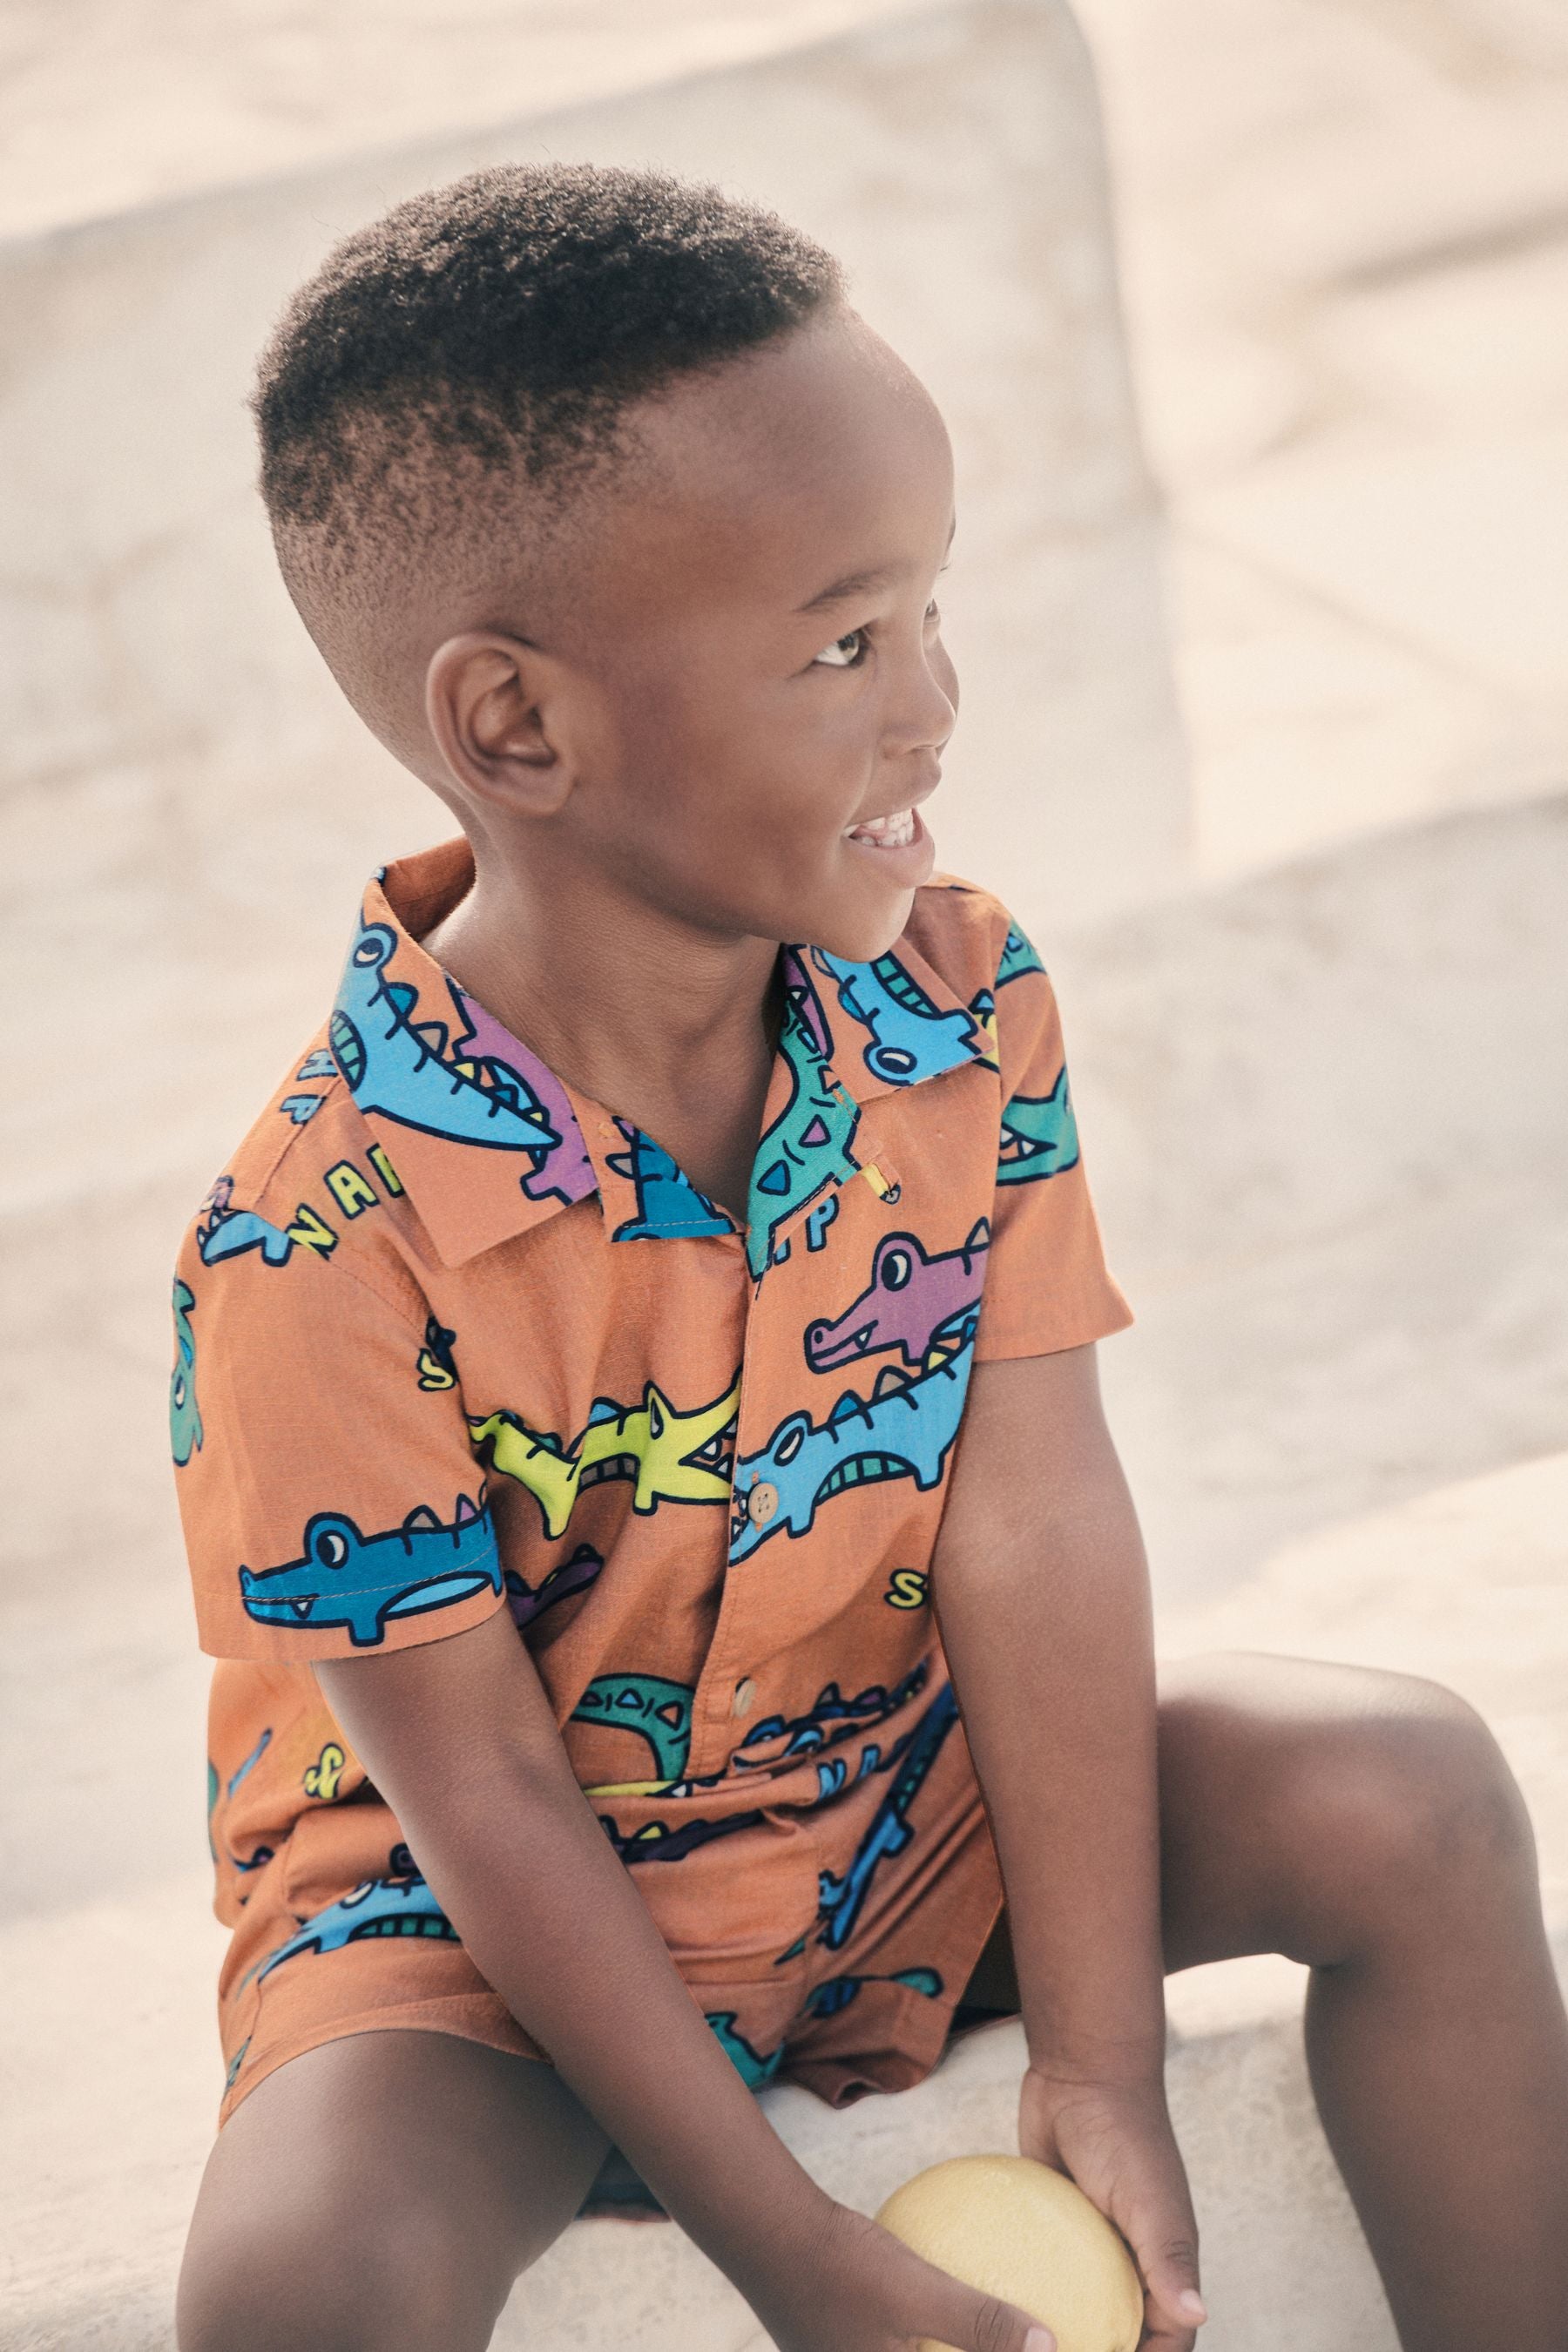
{"x":301,"y":1180}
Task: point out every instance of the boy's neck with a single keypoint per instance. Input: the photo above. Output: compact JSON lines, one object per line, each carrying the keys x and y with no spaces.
{"x":619,"y":998}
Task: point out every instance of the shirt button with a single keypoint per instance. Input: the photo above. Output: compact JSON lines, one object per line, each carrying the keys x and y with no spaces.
{"x":745,"y":1692}
{"x":762,"y":1502}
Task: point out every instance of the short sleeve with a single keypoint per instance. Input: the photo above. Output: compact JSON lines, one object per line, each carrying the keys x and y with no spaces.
{"x":1047,"y":1285}
{"x":331,"y":1503}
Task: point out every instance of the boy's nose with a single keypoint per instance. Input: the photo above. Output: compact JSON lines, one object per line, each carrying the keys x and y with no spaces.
{"x":930,"y":714}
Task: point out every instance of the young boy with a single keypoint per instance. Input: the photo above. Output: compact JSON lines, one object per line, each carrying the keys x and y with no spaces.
{"x":635,"y":1409}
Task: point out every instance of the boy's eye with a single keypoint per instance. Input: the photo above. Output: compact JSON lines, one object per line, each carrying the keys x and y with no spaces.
{"x":845,"y":652}
{"x":849,"y":651}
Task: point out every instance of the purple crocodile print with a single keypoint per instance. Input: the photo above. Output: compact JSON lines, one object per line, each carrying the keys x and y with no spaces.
{"x":906,"y":1300}
{"x":566,"y":1172}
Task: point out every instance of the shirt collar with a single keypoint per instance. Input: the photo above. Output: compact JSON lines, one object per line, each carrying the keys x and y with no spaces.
{"x":487,"y":1140}
{"x":886,"y":1024}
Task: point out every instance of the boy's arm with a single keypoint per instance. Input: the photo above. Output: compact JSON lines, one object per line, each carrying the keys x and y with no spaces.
{"x":1041,"y":1593}
{"x":459,"y":1736}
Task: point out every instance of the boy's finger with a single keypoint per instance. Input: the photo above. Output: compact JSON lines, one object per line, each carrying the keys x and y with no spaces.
{"x":983,"y":2322}
{"x":1171,"y":2277}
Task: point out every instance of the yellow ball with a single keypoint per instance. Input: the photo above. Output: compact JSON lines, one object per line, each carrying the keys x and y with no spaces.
{"x":1016,"y":2229}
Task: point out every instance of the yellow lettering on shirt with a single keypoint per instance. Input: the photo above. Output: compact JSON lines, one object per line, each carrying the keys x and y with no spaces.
{"x":384,"y":1168}
{"x":311,"y":1232}
{"x":322,"y":1778}
{"x":906,"y":1589}
{"x":353,"y":1190}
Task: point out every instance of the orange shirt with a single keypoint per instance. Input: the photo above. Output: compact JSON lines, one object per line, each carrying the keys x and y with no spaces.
{"x":453,"y":1337}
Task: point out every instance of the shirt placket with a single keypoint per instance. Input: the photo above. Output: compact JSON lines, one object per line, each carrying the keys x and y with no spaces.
{"x":742,"y":1636}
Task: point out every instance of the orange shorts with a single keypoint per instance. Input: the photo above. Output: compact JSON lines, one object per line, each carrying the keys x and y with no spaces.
{"x":872,"y":2013}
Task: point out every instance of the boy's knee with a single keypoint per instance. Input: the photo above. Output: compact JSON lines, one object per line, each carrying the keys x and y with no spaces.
{"x":1412,"y":1805}
{"x":388,"y":2283}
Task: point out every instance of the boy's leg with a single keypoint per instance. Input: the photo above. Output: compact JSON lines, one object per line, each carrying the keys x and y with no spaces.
{"x":384,"y":2189}
{"x":1366,"y":1823}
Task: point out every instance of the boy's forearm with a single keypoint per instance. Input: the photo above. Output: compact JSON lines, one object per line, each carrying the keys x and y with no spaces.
{"x":552,"y":1921}
{"x":1059,"y":1716}
{"x":1045,"y":1617}
{"x":461,"y":1740}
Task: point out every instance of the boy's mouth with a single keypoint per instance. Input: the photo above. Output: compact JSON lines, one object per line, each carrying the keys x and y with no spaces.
{"x":899,"y":841}
{"x":894,"y":831}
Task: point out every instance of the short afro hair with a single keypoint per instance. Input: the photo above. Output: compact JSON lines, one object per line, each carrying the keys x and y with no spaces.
{"x":505,"y":321}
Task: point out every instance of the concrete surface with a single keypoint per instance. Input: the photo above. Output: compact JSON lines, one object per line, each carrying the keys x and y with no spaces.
{"x":107,"y":106}
{"x":1325,"y":1112}
{"x":1344,"y":236}
{"x":1323,"y":1094}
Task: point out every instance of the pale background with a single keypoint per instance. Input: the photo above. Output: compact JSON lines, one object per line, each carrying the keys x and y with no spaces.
{"x":1247,"y":317}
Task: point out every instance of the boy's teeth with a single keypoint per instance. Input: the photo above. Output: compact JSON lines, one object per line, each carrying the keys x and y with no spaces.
{"x":893,"y":830}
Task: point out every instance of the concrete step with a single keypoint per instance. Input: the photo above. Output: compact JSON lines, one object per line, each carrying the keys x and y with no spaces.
{"x":114,"y":106}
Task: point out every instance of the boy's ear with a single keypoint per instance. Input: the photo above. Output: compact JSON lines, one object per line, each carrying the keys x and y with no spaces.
{"x":483,"y":704}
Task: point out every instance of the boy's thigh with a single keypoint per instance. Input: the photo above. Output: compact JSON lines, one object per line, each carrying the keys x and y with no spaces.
{"x":385,"y":2188}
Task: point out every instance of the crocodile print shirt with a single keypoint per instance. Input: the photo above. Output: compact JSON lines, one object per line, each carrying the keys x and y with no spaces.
{"x":451,"y":1337}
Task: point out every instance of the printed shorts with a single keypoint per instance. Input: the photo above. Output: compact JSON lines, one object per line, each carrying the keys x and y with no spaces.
{"x":879,"y":1935}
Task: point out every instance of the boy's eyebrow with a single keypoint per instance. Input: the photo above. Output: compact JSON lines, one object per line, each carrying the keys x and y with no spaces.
{"x":860,"y":583}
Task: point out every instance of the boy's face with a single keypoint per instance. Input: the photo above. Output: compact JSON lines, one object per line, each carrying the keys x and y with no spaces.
{"x":755,"y":661}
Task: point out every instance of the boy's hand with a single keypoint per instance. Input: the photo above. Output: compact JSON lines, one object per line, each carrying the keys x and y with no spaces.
{"x":852,"y":2287}
{"x":1114,"y":2139}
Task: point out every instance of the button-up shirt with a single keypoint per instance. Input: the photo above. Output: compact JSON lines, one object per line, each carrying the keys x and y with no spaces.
{"x":451,"y":1337}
